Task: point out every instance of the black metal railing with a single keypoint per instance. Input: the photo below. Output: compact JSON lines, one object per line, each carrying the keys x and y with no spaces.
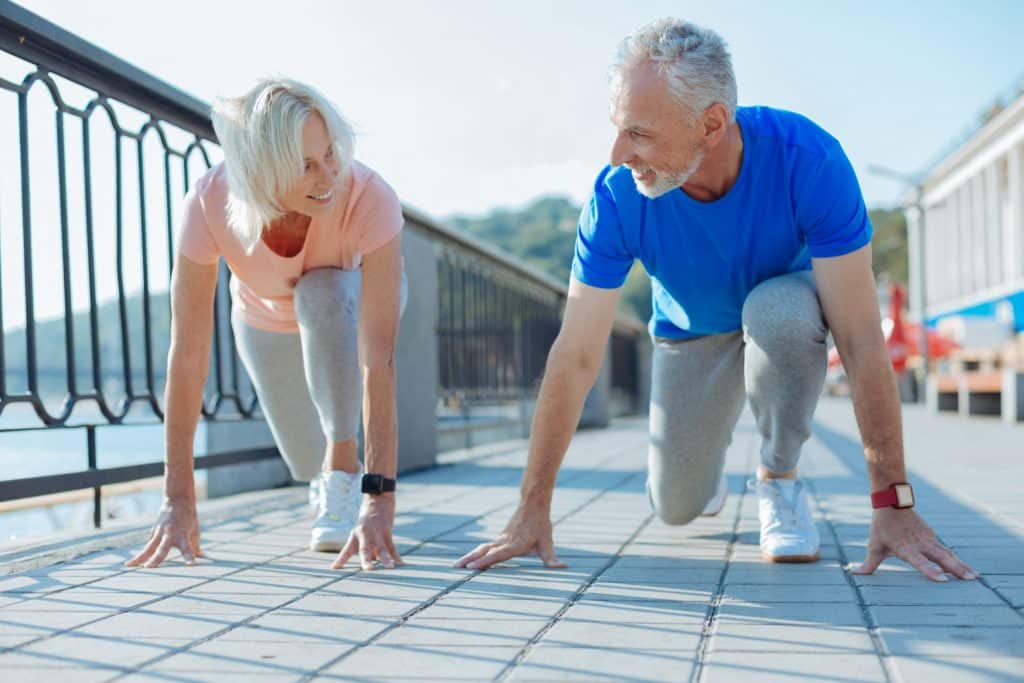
{"x":101,"y":362}
{"x":96,"y":357}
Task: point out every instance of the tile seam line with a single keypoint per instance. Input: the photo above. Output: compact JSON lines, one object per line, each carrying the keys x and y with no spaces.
{"x":217,"y":634}
{"x":401,"y":621}
{"x":575,"y":598}
{"x":978,"y":505}
{"x":181,"y":591}
{"x":885,"y":658}
{"x":711,"y":617}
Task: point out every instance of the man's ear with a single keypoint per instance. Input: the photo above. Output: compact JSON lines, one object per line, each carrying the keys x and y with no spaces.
{"x":715,"y":121}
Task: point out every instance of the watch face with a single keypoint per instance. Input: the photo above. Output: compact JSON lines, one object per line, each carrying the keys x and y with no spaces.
{"x":904,"y":496}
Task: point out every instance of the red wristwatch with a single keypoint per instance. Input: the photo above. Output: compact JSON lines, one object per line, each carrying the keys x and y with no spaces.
{"x":899,"y":496}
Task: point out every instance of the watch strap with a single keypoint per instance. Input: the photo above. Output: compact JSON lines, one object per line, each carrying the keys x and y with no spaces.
{"x":375,"y":484}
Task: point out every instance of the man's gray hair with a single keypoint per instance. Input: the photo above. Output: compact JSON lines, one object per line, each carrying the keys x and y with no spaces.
{"x":695,"y":61}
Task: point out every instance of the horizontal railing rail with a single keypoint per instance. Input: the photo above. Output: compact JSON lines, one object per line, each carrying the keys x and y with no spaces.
{"x":118,"y":162}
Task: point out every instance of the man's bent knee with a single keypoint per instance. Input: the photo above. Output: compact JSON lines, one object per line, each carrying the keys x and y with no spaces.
{"x":677,"y":510}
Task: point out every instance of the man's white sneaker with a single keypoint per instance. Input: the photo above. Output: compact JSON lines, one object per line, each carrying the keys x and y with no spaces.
{"x":717,"y":501}
{"x":337,"y":510}
{"x":788,"y":532}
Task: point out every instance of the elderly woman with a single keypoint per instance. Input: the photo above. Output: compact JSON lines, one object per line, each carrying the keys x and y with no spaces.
{"x":313,"y":239}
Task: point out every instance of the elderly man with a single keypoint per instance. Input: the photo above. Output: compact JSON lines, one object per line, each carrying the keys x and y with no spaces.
{"x":752,"y":227}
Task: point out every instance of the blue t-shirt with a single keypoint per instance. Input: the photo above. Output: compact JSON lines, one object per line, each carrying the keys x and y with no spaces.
{"x":796,"y":196}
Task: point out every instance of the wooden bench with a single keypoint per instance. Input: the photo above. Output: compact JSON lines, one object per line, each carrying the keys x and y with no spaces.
{"x":979,"y":392}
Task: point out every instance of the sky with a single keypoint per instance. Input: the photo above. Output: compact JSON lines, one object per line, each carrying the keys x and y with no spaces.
{"x":468,"y":106}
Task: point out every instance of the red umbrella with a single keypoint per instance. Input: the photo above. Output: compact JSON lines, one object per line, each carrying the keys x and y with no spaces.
{"x":901,"y":337}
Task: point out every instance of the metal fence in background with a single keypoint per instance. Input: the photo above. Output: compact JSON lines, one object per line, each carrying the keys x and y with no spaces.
{"x":496,"y":320}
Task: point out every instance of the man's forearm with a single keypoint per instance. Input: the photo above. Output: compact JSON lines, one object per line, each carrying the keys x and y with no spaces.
{"x":876,"y":403}
{"x":381,"y":424}
{"x":562,"y":394}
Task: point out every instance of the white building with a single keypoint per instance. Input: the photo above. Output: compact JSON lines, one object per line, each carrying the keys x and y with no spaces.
{"x":973,"y":206}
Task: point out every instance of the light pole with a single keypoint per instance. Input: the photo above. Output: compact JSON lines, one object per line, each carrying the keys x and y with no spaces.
{"x":915,"y":181}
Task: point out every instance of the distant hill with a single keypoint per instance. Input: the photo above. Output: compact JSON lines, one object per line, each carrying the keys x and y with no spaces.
{"x":543,"y":233}
{"x":51,"y":355}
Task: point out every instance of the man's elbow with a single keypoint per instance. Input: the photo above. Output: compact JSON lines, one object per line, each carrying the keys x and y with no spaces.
{"x":576,"y":358}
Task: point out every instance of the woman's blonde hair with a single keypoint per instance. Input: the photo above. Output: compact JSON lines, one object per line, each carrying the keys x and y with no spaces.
{"x":261,"y":135}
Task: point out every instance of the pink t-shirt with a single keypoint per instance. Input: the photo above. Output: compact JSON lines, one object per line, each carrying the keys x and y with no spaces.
{"x":366,"y":218}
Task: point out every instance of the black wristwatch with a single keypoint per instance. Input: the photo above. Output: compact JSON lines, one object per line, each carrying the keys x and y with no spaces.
{"x":376,"y":484}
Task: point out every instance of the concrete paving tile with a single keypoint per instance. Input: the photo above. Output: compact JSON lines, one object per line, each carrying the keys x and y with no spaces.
{"x":594,"y":664}
{"x":77,"y":650}
{"x":1014,"y":595}
{"x":633,"y":561}
{"x":404,"y":661}
{"x":946,"y":615}
{"x":142,"y":582}
{"x":28,"y":670}
{"x":497,"y":608}
{"x":617,"y":592}
{"x":17,"y":583}
{"x":81,"y":599}
{"x":162,"y":673}
{"x":931,"y":593}
{"x":954,"y":641}
{"x":642,"y":576}
{"x":961,"y":669}
{"x":655,"y":612}
{"x":632,"y":635}
{"x":825,"y":640}
{"x":811,"y":614}
{"x":316,"y":604}
{"x":297,"y":629}
{"x":46,"y":622}
{"x":757,"y":593}
{"x":787,"y":667}
{"x":464,"y":632}
{"x":239,"y":606}
{"x":259,"y":657}
{"x":156,"y":625}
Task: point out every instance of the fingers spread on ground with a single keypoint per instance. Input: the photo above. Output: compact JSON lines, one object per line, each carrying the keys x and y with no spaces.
{"x":473,"y":555}
{"x":161,"y":553}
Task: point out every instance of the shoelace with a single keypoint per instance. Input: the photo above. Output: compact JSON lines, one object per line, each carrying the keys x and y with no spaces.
{"x":333,"y":505}
{"x":783,"y":508}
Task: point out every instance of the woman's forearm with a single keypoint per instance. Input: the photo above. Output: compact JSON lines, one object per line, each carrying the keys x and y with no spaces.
{"x":187,"y":369}
{"x":380,"y":420}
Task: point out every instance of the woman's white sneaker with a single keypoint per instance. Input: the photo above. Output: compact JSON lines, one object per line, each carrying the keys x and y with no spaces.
{"x":337,"y":510}
{"x":788,"y":531}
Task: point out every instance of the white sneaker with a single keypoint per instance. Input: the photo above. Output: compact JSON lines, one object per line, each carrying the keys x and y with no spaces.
{"x":788,"y":531}
{"x":717,"y":501}
{"x":337,"y":510}
{"x":314,"y":494}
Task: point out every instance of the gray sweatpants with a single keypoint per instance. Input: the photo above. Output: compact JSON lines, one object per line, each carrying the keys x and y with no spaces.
{"x":698,"y":386}
{"x":309,"y":384}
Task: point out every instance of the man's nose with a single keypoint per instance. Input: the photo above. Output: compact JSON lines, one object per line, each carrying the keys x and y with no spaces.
{"x":621,"y":153}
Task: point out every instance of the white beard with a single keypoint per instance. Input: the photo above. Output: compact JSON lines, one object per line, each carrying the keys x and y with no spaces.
{"x":666,"y":182}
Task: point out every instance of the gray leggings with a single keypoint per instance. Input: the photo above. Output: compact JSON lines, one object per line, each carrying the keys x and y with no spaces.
{"x":309,"y":384}
{"x":698,"y":387}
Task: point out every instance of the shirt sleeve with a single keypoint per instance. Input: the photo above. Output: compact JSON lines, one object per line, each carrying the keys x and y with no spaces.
{"x":195,"y":240}
{"x":377,"y":219}
{"x":830,"y":208}
{"x":601,"y":258}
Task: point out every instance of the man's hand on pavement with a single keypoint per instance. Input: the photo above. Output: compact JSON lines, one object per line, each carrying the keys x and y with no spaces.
{"x":528,"y":531}
{"x":903,"y":534}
